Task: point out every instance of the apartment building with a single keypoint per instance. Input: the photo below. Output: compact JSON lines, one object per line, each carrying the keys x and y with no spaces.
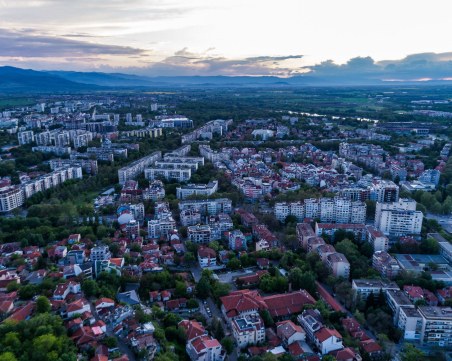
{"x":100,"y":253}
{"x":208,"y":206}
{"x":410,"y":323}
{"x":436,"y":326}
{"x":180,"y":173}
{"x":190,"y":217}
{"x":205,"y":190}
{"x":237,"y":240}
{"x":364,"y":287}
{"x":377,"y":239}
{"x":328,"y":210}
{"x":11,"y":197}
{"x":338,"y":264}
{"x":200,"y":234}
{"x":398,"y":218}
{"x":137,"y":167}
{"x":385,"y":264}
{"x":248,"y":330}
{"x":25,"y":137}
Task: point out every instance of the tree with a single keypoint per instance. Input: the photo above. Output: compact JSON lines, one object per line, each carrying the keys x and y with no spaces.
{"x":192,"y":303}
{"x":411,"y":353}
{"x":7,"y":356}
{"x":228,"y":345}
{"x":234,"y":264}
{"x":43,"y":305}
{"x":203,"y":288}
{"x":110,"y":342}
{"x":267,"y":318}
{"x":90,"y":288}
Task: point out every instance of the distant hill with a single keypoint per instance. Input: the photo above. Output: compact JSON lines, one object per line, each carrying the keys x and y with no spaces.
{"x":26,"y":80}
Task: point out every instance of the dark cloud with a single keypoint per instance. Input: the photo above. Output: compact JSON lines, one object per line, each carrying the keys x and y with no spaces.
{"x":411,"y":68}
{"x":28,"y":44}
{"x":185,"y":62}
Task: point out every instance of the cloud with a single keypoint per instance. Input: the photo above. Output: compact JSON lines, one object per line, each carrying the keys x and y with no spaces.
{"x":27,"y":43}
{"x":414,"y":67}
{"x":186,"y":62}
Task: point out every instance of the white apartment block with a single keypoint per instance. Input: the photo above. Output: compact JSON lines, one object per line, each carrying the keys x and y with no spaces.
{"x":364,"y":287}
{"x":10,"y":198}
{"x":398,"y":218}
{"x":328,"y":210}
{"x":178,"y":174}
{"x":197,"y":189}
{"x":100,"y":253}
{"x":436,"y":326}
{"x":338,"y":264}
{"x":209,"y":207}
{"x":190,"y":217}
{"x":132,"y":170}
{"x":51,"y":180}
{"x":248,"y":330}
{"x":410,"y":323}
{"x":377,"y":239}
{"x":25,"y":137}
{"x":200,"y":234}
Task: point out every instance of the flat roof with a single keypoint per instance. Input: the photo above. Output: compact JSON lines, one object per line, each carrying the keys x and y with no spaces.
{"x":442,"y":313}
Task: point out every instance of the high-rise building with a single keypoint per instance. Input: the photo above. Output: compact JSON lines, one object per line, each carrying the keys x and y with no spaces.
{"x":398,"y":218}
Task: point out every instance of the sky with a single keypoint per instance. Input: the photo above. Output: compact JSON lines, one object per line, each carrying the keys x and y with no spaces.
{"x":227,"y":37}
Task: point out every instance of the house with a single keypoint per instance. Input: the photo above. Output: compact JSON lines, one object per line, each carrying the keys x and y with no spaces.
{"x":23,"y":313}
{"x":207,"y":257}
{"x":327,"y":340}
{"x":371,"y":348}
{"x":104,"y":302}
{"x":263,"y":263}
{"x":285,"y":305}
{"x":241,"y":303}
{"x":205,"y":348}
{"x":77,"y":307}
{"x":176,"y":305}
{"x":288,"y":332}
{"x":251,"y":280}
{"x":192,"y":329}
{"x":346,"y":354}
{"x":62,"y":290}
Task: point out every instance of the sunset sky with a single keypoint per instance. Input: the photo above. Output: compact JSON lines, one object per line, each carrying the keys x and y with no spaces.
{"x":211,"y":37}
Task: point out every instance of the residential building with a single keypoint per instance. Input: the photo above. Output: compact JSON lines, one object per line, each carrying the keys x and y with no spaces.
{"x":398,"y":218}
{"x":338,"y":264}
{"x":385,"y":264}
{"x":364,"y":287}
{"x":25,"y":137}
{"x":237,"y":240}
{"x":207,"y":257}
{"x":436,"y":326}
{"x":11,"y":197}
{"x":208,"y":206}
{"x":205,"y":348}
{"x":100,"y":253}
{"x":248,"y":330}
{"x":377,"y":239}
{"x":410,"y":323}
{"x":190,"y":217}
{"x":205,"y":190}
{"x":395,"y":300}
{"x":328,"y":340}
{"x":200,"y":234}
{"x":289,"y":333}
{"x":137,"y":167}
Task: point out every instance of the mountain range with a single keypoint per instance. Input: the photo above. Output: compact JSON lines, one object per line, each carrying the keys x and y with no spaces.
{"x":13,"y":80}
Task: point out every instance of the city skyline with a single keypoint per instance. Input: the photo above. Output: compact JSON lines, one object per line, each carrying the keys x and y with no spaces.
{"x":148,"y":37}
